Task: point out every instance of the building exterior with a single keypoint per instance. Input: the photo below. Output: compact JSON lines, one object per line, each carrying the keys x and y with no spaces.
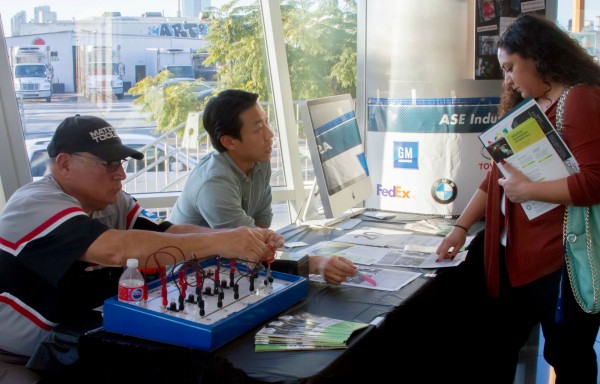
{"x":193,"y":8}
{"x":43,"y":14}
{"x":190,"y":8}
{"x":130,"y":36}
{"x":17,"y":20}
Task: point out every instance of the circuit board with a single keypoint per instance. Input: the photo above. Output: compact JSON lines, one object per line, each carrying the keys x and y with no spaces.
{"x":206,"y":308}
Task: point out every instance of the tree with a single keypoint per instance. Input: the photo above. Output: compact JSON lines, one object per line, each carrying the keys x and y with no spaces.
{"x":236,"y":43}
{"x":320,"y":43}
{"x":167,"y":104}
{"x":321,"y":46}
{"x":320,"y":39}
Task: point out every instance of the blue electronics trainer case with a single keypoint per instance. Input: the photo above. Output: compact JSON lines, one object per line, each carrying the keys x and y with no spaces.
{"x":221,"y":322}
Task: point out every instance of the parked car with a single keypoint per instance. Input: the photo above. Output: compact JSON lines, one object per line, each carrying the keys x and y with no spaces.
{"x":201,"y":89}
{"x":202,"y":92}
{"x":164,"y":167}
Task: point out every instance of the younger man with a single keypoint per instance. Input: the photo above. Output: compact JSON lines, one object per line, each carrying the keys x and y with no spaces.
{"x":231,"y":186}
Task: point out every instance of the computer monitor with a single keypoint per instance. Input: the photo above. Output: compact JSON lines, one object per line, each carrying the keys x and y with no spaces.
{"x":337,"y":154}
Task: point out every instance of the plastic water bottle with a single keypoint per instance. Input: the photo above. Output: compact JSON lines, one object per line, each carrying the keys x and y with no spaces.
{"x":131,"y":283}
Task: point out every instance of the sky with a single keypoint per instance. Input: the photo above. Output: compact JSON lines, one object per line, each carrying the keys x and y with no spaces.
{"x":67,"y":9}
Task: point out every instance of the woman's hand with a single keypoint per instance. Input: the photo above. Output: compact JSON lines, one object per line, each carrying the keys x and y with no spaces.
{"x":515,"y":184}
{"x":334,"y":269}
{"x":451,"y":244}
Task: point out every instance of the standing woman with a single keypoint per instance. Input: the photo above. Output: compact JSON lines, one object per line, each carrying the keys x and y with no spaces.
{"x":523,"y":258}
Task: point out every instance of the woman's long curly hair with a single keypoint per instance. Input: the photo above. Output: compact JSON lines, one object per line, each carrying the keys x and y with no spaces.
{"x":558,"y":57}
{"x":508,"y":100}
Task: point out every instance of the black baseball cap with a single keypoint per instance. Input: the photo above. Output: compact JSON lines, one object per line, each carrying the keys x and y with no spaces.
{"x":90,"y":134}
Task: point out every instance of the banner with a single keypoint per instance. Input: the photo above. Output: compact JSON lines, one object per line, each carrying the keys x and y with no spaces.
{"x":424,"y":155}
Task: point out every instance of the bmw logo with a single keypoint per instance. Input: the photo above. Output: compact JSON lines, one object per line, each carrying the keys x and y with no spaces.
{"x":444,"y":191}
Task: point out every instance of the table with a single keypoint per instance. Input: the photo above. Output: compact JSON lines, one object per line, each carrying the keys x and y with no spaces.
{"x":407,"y":319}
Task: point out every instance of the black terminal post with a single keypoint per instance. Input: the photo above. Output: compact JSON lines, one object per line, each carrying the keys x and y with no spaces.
{"x":201,"y":305}
{"x":191,"y":298}
{"x":251,"y":283}
{"x":236,"y":291}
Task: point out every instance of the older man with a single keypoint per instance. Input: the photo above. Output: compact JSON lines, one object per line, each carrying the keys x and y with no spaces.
{"x":65,"y":238}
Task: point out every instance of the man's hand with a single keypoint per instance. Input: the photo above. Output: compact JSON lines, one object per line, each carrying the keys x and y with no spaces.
{"x":274,"y":238}
{"x":245,"y":243}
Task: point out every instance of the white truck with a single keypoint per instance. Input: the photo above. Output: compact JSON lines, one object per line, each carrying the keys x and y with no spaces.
{"x":32,"y":71}
{"x":103,"y":72}
{"x":178,"y":61}
{"x":200,"y":70}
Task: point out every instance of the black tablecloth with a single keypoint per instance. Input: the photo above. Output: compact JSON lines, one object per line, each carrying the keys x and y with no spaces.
{"x":432,"y":320}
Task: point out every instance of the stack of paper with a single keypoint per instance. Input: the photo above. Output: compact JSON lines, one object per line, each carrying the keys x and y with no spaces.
{"x":430,"y":227}
{"x":304,"y":331}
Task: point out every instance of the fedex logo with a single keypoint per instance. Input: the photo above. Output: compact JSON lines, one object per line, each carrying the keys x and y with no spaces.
{"x":406,"y":154}
{"x":396,"y":191}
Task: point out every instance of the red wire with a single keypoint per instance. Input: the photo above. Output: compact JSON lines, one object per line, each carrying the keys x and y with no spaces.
{"x":182,"y":281}
{"x":274,"y":250}
{"x":199,"y":281}
{"x":145,"y":288}
{"x":163,"y":283}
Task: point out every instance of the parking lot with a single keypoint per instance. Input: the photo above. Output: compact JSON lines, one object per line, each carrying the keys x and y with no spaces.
{"x":41,"y":118}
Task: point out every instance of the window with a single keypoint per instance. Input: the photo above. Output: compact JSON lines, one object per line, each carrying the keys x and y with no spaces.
{"x":90,"y":56}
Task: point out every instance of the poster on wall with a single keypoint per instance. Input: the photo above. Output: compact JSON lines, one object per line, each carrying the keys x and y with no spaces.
{"x":429,"y":156}
{"x":492,"y":18}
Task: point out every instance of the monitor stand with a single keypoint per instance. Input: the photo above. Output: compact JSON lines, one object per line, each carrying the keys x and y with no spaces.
{"x":311,"y":213}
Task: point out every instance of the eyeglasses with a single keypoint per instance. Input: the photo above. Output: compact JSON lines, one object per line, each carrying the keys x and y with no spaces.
{"x":110,"y":166}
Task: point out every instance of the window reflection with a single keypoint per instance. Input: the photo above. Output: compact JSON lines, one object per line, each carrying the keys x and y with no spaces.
{"x":321,"y":48}
{"x":90,"y":63}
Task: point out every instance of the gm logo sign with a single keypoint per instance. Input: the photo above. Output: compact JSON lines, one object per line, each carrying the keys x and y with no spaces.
{"x":406,"y":154}
{"x":444,"y":191}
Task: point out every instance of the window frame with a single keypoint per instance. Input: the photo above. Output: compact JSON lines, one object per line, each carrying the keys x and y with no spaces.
{"x":14,"y":162}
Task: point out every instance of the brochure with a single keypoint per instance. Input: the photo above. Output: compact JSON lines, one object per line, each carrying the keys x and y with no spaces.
{"x":356,"y":253}
{"x":305,"y":331}
{"x":430,"y":227}
{"x":400,"y":250}
{"x":404,"y":258}
{"x":526,"y":139}
{"x":371,"y":277}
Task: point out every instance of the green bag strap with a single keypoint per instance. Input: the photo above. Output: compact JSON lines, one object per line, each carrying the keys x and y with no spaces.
{"x":567,"y":235}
